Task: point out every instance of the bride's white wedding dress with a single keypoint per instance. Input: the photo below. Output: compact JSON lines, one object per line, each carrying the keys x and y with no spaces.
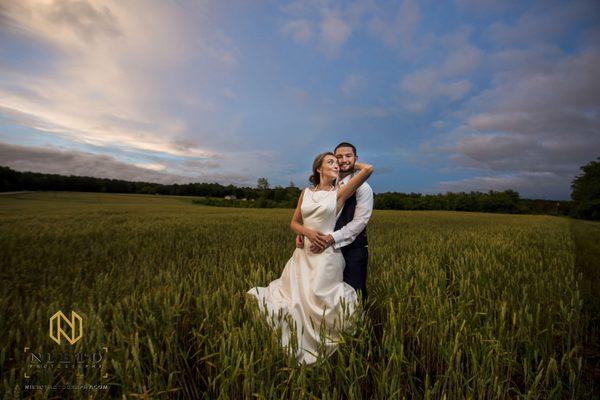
{"x":311,"y":288}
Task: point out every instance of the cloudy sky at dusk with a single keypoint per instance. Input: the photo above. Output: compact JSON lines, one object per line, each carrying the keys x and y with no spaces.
{"x":439,"y":96}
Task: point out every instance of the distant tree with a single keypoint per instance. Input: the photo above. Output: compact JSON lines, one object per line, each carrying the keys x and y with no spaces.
{"x":262,"y":183}
{"x":586,"y":192}
{"x":292,"y":194}
{"x":9,"y":180}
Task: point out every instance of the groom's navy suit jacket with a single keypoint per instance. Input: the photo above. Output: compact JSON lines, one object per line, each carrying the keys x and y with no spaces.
{"x":356,"y":254}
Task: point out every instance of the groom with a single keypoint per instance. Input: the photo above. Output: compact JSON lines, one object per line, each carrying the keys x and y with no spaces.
{"x":350,"y":229}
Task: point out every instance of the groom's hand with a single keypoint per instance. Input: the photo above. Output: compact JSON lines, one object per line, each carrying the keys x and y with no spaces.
{"x":299,"y":241}
{"x":325,"y":240}
{"x":316,"y":238}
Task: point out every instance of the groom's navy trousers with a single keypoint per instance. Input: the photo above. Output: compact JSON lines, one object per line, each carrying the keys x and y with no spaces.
{"x":356,"y":254}
{"x":355,"y":271}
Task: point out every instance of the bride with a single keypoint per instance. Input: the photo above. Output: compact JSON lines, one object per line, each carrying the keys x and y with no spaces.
{"x":310,"y":301}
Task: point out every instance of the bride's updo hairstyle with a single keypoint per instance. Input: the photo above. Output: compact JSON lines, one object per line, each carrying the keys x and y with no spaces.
{"x":315,"y":178}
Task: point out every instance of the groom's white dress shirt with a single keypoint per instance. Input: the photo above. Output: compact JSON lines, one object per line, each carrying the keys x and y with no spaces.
{"x":362,"y":213}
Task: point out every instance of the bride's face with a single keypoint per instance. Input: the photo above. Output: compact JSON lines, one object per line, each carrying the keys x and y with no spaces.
{"x":330,"y":169}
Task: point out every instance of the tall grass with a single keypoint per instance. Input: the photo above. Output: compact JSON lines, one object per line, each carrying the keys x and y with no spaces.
{"x":586,"y":236}
{"x":462,"y":305}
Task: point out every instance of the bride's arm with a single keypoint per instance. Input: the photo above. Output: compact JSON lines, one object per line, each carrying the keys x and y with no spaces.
{"x":298,"y":227}
{"x":296,"y":223}
{"x":345,"y":192}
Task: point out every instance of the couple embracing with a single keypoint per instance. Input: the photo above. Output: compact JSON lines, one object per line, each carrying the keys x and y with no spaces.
{"x":316,"y":297}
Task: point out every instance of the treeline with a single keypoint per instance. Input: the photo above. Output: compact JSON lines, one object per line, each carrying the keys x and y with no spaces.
{"x":214,"y":194}
{"x":11,"y":180}
{"x":507,"y":201}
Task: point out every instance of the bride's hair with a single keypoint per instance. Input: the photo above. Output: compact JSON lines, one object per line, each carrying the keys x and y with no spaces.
{"x":315,"y":178}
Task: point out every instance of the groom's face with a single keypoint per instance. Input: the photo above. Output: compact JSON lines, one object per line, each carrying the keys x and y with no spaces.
{"x":346,"y":159}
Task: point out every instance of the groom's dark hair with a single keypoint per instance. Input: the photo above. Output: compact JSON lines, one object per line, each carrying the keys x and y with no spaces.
{"x":345,"y":144}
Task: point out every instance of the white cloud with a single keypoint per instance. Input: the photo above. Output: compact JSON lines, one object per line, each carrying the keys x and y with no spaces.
{"x":327,"y":25}
{"x":104,"y":86}
{"x":333,"y":34}
{"x":462,"y":57}
{"x":445,"y":76}
{"x":352,"y":84}
{"x":399,"y":29}
{"x":68,"y":23}
{"x":152,"y":166}
{"x":427,"y":85}
{"x":300,"y":30}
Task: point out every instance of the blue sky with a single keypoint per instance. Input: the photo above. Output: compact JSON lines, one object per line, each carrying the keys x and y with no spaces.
{"x":439,"y":96}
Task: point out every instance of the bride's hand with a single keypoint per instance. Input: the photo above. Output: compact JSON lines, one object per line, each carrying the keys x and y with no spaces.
{"x":299,"y":241}
{"x":316,"y":238}
{"x":360,"y":165}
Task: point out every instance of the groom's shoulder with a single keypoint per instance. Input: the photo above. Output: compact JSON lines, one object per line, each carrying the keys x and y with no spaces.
{"x":364,"y":186}
{"x":365,"y":190}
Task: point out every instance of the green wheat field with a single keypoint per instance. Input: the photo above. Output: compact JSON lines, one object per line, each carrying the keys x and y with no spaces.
{"x":462,"y":305}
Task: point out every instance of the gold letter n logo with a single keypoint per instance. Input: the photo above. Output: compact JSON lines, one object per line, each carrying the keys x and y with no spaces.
{"x":56,"y":327}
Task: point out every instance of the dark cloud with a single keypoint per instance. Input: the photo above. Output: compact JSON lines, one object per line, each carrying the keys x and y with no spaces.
{"x":543,"y":23}
{"x":552,"y":116}
{"x":535,"y":185}
{"x":533,"y":124}
{"x":200,"y":164}
{"x":485,"y":5}
{"x":71,"y":162}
